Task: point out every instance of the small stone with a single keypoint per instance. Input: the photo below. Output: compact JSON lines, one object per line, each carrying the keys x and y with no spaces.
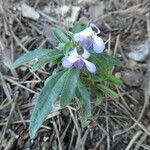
{"x":118,"y":75}
{"x":23,"y":68}
{"x":139,"y":51}
{"x":72,"y":17}
{"x":32,"y":141}
{"x":132,"y":79}
{"x":84,"y":20}
{"x":131,"y":106}
{"x":131,"y":63}
{"x":29,"y":12}
{"x":115,"y":111}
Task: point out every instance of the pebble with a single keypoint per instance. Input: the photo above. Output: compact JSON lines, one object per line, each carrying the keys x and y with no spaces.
{"x":84,"y":20}
{"x":132,"y":79}
{"x":131,"y":63}
{"x":139,"y":51}
{"x":71,"y":18}
{"x":118,"y":75}
{"x":131,"y":106}
{"x":29,"y":12}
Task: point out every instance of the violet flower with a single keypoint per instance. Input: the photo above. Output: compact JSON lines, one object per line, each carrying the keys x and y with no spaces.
{"x":88,"y":38}
{"x":74,"y":59}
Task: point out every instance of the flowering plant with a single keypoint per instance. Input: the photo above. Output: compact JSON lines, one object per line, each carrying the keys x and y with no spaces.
{"x":83,"y":70}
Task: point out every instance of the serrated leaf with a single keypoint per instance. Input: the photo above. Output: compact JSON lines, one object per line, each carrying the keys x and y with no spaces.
{"x":86,"y":98}
{"x":70,"y":84}
{"x":27,"y":57}
{"x":51,"y":57}
{"x":108,"y":91}
{"x":59,"y":35}
{"x":46,"y":98}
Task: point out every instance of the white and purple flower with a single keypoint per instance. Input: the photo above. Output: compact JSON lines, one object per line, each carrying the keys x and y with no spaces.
{"x":79,"y":61}
{"x":88,"y":38}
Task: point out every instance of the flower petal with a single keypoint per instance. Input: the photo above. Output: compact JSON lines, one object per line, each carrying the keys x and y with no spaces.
{"x":66,"y":63}
{"x":74,"y":53}
{"x":77,"y":37}
{"x":98,"y":44}
{"x":86,"y":42}
{"x":79,"y":64}
{"x":90,"y":66}
{"x":73,"y":59}
{"x":85,"y":33}
{"x":86,"y":54}
{"x":95,"y":28}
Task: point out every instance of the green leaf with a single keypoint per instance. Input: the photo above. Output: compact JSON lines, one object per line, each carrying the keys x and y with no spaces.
{"x":101,"y":63}
{"x":112,"y":60}
{"x":98,"y":99}
{"x":61,"y":46}
{"x":85,"y":122}
{"x":107,"y":90}
{"x":46,"y":98}
{"x":70,"y":84}
{"x":112,"y":79}
{"x":59,"y":35}
{"x":105,"y":62}
{"x":70,"y":34}
{"x":51,"y":57}
{"x":78,"y":28}
{"x":25,"y":58}
{"x":70,"y":45}
{"x":86,"y":98}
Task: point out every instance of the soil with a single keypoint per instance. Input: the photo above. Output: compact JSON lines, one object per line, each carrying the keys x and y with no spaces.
{"x":120,"y":124}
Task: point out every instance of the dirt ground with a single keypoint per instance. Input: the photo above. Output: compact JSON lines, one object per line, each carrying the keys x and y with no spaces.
{"x":122,"y":124}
